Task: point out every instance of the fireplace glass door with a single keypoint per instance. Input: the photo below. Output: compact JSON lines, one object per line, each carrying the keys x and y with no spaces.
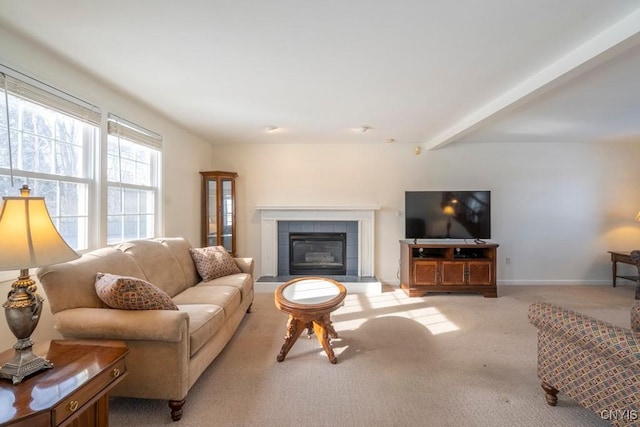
{"x":317,"y":253}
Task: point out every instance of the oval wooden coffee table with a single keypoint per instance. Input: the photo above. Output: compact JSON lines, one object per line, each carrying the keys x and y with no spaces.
{"x":309,"y":301}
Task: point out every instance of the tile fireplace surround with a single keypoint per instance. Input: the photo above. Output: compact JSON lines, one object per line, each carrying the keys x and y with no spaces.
{"x":364,"y":282}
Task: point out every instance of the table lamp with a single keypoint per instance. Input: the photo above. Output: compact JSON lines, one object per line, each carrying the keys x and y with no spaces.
{"x":28,"y":239}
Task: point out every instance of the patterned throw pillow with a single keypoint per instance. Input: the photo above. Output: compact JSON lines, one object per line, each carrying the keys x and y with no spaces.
{"x":131,"y":293}
{"x":635,"y":316}
{"x":213,"y":262}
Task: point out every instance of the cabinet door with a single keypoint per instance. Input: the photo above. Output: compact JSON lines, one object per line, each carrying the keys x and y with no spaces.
{"x":211,"y":201}
{"x":226,"y":215}
{"x":480,"y":272}
{"x":425,"y":272}
{"x":453,"y":273}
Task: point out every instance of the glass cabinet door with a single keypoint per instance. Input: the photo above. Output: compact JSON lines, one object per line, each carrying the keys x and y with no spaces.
{"x":226,"y":214}
{"x":212,"y":213}
{"x":218,"y":210}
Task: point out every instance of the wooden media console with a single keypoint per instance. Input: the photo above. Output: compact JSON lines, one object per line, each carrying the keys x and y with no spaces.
{"x":432,"y":266}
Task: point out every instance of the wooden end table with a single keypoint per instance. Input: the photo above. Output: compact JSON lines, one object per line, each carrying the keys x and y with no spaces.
{"x":72,"y":393}
{"x":309,"y":301}
{"x":621,"y":257}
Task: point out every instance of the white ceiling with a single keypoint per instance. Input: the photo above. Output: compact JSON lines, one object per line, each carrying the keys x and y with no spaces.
{"x":416,"y":71}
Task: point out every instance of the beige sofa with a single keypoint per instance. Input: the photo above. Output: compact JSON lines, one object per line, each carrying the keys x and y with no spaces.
{"x":169,"y":349}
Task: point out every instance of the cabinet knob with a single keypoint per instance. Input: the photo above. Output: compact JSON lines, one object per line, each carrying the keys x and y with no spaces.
{"x":74,"y":405}
{"x":115,"y":373}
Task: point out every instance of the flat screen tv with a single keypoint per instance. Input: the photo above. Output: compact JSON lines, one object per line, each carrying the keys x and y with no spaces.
{"x":448,"y":214}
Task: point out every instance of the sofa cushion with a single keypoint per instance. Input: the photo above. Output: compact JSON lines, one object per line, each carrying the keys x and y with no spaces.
{"x":635,"y":316}
{"x":241,"y":281}
{"x":213,"y":262}
{"x":150,"y":255}
{"x":72,"y":284}
{"x":205,"y":320}
{"x":227,"y":297}
{"x":179,"y":247}
{"x":131,"y":293}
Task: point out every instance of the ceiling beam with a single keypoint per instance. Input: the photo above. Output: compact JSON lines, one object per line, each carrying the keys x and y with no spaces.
{"x":604,"y":46}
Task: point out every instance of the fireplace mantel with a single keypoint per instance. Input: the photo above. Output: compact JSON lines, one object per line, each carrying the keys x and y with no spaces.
{"x":270,"y":215}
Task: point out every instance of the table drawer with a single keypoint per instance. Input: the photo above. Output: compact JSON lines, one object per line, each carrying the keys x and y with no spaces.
{"x":77,"y":401}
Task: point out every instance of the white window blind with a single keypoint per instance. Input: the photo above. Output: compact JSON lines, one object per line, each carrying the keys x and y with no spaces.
{"x":52,"y":98}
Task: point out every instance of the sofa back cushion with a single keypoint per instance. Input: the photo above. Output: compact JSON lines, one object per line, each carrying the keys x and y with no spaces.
{"x":160,"y":264}
{"x":179,"y":247}
{"x":72,"y":284}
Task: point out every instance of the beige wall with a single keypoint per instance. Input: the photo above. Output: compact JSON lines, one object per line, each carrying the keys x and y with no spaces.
{"x":556,"y":208}
{"x":184,"y":154}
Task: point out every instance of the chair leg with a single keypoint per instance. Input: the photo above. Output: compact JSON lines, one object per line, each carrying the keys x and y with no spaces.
{"x":550,"y":393}
{"x":176,"y":409}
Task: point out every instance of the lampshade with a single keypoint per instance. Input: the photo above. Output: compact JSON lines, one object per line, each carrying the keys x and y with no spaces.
{"x":28,"y":237}
{"x":638,"y":217}
{"x":448,"y":210}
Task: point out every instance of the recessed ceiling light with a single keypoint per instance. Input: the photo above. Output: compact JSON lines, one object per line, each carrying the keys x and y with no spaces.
{"x":364,"y":128}
{"x":270,"y":128}
{"x":391,"y":140}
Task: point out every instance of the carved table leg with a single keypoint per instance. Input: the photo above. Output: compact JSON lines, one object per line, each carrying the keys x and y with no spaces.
{"x":176,"y":409}
{"x":550,"y":394}
{"x":294,"y":329}
{"x":323,"y":329}
{"x":329,"y":325}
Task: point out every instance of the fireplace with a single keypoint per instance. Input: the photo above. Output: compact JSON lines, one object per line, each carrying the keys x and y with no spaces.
{"x":358,"y":222}
{"x":277,"y":222}
{"x":318,"y":253}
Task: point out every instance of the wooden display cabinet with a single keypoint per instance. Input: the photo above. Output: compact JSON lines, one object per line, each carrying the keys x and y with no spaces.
{"x":448,"y":267}
{"x":219,"y":210}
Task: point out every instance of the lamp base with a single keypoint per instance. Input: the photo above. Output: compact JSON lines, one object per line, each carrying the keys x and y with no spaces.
{"x":23,"y":363}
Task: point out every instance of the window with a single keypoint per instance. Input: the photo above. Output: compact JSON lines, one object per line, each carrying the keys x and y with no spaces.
{"x":132,"y":181}
{"x":52,"y":144}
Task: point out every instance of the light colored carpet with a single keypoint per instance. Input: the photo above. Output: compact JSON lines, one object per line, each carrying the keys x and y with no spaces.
{"x":443,"y":359}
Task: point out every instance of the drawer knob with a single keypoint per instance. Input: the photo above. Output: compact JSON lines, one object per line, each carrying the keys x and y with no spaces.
{"x":74,"y":405}
{"x":115,"y":373}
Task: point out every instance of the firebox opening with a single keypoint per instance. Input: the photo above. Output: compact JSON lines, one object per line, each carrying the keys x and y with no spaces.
{"x":318,"y":253}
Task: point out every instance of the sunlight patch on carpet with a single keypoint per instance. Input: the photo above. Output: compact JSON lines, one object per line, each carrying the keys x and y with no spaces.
{"x":391,"y":304}
{"x":430,"y":318}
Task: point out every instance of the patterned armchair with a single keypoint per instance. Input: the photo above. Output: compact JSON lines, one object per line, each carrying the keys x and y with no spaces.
{"x":594,"y":362}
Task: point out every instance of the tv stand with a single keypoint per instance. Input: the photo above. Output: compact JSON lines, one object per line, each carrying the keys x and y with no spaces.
{"x":448,"y":267}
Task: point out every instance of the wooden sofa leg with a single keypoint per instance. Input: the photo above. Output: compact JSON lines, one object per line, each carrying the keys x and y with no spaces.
{"x":550,"y":393}
{"x":176,"y":409}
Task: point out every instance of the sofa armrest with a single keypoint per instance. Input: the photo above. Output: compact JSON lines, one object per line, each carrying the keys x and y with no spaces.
{"x":108,"y":323}
{"x":619,"y":344}
{"x":245,"y":265}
